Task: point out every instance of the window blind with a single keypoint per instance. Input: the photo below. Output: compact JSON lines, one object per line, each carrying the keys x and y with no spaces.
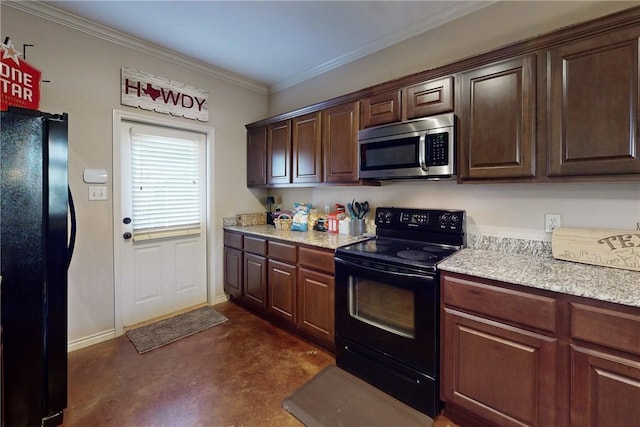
{"x":165,"y":177}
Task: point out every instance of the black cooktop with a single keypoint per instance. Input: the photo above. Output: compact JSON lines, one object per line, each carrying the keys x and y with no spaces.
{"x":418,"y":238}
{"x":398,"y":251}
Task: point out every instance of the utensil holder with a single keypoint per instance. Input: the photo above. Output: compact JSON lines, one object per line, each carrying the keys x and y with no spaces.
{"x":358,"y":227}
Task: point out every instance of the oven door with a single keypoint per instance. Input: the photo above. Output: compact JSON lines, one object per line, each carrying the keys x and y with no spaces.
{"x":388,"y":310}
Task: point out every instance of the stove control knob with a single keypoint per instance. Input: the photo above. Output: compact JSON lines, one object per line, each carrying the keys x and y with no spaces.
{"x":384,"y":216}
{"x":455,"y":219}
{"x":444,"y":219}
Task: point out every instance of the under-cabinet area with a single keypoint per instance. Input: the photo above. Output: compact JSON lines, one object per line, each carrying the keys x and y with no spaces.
{"x":514,"y":356}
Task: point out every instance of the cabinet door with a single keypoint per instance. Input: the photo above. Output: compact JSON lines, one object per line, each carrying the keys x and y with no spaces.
{"x":233,"y":272}
{"x":282,"y":290}
{"x":255,"y":280}
{"x":593,"y":106}
{"x":605,"y":389}
{"x":307,"y":148}
{"x":498,"y":123}
{"x":340,"y":143}
{"x":504,"y":374}
{"x":429,"y":98}
{"x":279,"y":153}
{"x":257,"y":156}
{"x":380,"y":109}
{"x":316,"y":305}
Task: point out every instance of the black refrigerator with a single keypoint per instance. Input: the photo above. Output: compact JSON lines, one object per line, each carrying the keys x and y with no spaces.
{"x":36,"y":241}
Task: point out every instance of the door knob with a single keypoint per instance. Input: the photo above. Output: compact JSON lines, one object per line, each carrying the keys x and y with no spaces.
{"x":126,"y":235}
{"x":126,"y":220}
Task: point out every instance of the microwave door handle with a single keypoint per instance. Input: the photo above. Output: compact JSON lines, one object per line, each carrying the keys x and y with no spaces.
{"x":422,"y":152}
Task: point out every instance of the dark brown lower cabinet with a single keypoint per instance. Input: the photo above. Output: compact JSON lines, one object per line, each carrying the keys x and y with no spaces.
{"x":517,"y":356}
{"x":255,"y":280}
{"x":282,"y":290}
{"x":316,"y":305}
{"x":233,"y":271}
{"x":605,"y":365}
{"x":288,"y":284}
{"x":605,"y":389}
{"x":504,"y":374}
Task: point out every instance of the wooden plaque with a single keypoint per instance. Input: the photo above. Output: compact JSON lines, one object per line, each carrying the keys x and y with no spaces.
{"x":605,"y":247}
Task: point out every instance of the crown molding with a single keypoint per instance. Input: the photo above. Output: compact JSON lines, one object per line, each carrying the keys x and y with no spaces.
{"x":434,"y":21}
{"x":42,"y":10}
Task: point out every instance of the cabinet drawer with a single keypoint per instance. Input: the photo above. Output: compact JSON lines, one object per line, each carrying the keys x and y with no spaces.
{"x":233,"y":240}
{"x":606,"y":327}
{"x":317,"y":259}
{"x":255,"y":245}
{"x":500,"y":303}
{"x":282,"y":251}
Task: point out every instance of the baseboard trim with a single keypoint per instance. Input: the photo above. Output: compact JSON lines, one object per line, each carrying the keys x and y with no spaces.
{"x":90,"y":340}
{"x":220,"y":299}
{"x":111,"y":333}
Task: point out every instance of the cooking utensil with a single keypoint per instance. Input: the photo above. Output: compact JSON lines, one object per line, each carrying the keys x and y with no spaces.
{"x":357,"y":209}
{"x":364,"y":209}
{"x":352,"y":213}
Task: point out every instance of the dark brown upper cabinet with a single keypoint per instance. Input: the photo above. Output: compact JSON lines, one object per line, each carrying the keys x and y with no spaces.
{"x":307,"y":148}
{"x":429,"y":98}
{"x":593,"y":105}
{"x":497,"y":135}
{"x":412,"y":102}
{"x":340,"y":125}
{"x":257,"y":156}
{"x":279,"y":153}
{"x":560,"y":107}
{"x":381,"y":109}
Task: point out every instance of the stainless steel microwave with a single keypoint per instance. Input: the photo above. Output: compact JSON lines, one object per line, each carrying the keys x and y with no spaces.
{"x":416,"y":149}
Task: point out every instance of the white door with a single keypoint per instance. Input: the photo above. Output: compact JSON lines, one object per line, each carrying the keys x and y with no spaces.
{"x":162,"y":221}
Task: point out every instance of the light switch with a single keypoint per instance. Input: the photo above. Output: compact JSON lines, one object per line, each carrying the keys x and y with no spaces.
{"x":97,"y":192}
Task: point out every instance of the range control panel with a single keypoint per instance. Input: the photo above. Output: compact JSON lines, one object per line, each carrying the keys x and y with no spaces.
{"x":423,"y":219}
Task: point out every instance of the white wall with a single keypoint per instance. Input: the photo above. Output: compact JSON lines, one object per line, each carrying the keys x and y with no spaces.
{"x":84,"y":71}
{"x":511,"y":210}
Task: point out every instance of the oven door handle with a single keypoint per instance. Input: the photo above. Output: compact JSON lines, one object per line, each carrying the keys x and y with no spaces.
{"x":426,"y":278}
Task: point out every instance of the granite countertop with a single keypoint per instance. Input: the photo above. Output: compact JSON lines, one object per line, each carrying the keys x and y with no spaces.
{"x":311,"y":238}
{"x":530,"y":263}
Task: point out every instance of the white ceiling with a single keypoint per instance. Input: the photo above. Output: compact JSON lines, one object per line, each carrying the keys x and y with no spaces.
{"x":275,"y":44}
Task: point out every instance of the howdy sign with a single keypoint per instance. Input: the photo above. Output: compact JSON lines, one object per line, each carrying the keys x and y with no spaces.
{"x":609,"y":248}
{"x":20,"y":81}
{"x":149,"y":92}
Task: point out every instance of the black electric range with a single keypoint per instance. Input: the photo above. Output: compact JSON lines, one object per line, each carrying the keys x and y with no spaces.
{"x":411,"y":238}
{"x":387,"y":299}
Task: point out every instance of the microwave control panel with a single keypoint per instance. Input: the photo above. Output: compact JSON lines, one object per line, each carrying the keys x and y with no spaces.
{"x":437,"y":149}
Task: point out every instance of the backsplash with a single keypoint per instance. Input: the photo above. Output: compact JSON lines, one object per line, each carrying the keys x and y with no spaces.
{"x":509,"y":245}
{"x":507,"y":210}
{"x":229,"y":221}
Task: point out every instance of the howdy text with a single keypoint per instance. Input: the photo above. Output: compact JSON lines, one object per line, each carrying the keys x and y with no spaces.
{"x":167,"y":96}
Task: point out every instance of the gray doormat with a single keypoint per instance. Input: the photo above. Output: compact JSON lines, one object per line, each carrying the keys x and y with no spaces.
{"x":166,"y":331}
{"x":334,"y":397}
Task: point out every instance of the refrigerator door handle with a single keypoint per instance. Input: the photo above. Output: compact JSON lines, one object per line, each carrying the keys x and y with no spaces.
{"x":72,"y":236}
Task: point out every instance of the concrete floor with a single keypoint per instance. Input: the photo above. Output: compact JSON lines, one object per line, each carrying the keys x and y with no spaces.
{"x":234,"y":374}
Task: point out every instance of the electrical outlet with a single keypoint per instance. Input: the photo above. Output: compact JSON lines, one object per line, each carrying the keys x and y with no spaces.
{"x":551,"y":222}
